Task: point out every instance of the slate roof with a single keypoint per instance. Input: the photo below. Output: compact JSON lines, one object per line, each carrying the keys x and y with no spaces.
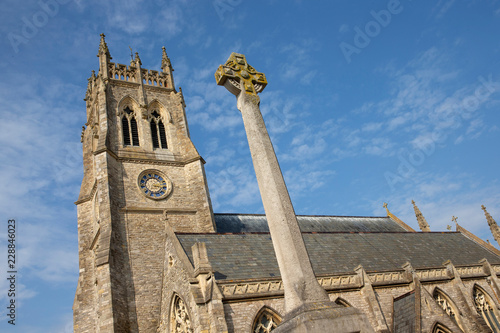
{"x":236,"y":223}
{"x":245,"y":256}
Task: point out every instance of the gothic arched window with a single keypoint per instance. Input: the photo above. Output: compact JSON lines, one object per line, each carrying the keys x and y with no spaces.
{"x":342,"y":302}
{"x":448,"y":306}
{"x":265,"y":321}
{"x":158,"y":135}
{"x":486,"y":308}
{"x":129,"y":128}
{"x":440,"y":328}
{"x":179,"y":317}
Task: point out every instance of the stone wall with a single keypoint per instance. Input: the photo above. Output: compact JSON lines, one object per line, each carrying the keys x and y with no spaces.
{"x":404,"y":313}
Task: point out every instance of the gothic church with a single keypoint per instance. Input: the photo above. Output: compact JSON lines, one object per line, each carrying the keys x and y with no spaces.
{"x":154,"y":257}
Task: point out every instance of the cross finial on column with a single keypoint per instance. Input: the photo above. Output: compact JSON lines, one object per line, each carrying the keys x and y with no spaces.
{"x":306,"y":302}
{"x":454,"y":219}
{"x":237,"y":76}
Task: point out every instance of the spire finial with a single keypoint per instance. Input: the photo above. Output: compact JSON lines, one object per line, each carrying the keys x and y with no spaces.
{"x":422,"y":223}
{"x":495,"y":230}
{"x":103,"y":47}
{"x":165,"y":60}
{"x":454,"y":219}
{"x":137,"y":59}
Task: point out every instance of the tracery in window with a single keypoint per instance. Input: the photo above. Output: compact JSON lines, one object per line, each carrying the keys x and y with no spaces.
{"x":448,"y":306}
{"x":265,"y":321}
{"x":129,"y":128}
{"x":179,"y":317}
{"x":158,"y":135}
{"x":486,"y":308}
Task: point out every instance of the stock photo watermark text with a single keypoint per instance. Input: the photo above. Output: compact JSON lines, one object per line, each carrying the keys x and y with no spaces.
{"x":31,"y":24}
{"x":462,"y":110}
{"x":364,"y":35}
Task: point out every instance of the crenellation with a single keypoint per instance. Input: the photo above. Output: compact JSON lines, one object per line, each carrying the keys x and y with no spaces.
{"x":122,"y":72}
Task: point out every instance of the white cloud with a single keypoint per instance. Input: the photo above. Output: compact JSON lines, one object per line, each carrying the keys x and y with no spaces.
{"x":442,"y":7}
{"x":441,"y":196}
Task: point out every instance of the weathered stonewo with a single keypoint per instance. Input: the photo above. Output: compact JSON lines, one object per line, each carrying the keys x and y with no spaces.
{"x":121,"y":232}
{"x":324,"y":317}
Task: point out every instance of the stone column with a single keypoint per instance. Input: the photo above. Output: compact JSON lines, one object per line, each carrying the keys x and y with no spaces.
{"x":307,"y":305}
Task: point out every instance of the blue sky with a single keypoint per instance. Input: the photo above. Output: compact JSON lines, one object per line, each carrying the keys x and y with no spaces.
{"x":367,"y":101}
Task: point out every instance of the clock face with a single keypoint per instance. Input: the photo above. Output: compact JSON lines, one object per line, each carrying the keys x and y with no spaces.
{"x":154,"y":184}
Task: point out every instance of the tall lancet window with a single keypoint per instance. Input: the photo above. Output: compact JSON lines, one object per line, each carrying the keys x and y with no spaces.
{"x":486,"y":308}
{"x":158,"y":135}
{"x":129,"y":127}
{"x":448,"y":306}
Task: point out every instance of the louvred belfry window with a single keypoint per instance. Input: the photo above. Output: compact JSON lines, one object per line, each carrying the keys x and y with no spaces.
{"x":158,"y":135}
{"x":129,"y":128}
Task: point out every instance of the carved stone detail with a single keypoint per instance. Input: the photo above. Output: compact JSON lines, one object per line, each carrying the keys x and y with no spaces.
{"x":422,"y":223}
{"x":445,"y":305}
{"x":266,"y":321}
{"x":430,"y":274}
{"x":180,"y":321}
{"x":238,"y":76}
{"x":482,"y":304}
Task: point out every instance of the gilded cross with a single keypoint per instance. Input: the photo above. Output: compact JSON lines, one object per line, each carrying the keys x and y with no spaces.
{"x":454,"y":219}
{"x":385,"y":205}
{"x":448,"y":227}
{"x":237,"y":76}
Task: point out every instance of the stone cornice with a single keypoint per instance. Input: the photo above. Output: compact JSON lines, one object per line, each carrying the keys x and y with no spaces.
{"x":126,"y":157}
{"x":156,"y":88}
{"x":159,"y":210}
{"x":273,"y":287}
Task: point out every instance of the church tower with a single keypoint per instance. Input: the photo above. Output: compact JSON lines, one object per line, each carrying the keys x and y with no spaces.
{"x":140,"y":170}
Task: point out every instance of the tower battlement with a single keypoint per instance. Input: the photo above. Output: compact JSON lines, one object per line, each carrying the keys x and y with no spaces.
{"x":149,"y":77}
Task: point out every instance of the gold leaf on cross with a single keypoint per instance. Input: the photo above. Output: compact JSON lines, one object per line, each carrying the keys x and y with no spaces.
{"x":237,"y":76}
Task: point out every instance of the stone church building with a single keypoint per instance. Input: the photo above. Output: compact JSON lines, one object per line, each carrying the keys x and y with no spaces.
{"x":154,"y":257}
